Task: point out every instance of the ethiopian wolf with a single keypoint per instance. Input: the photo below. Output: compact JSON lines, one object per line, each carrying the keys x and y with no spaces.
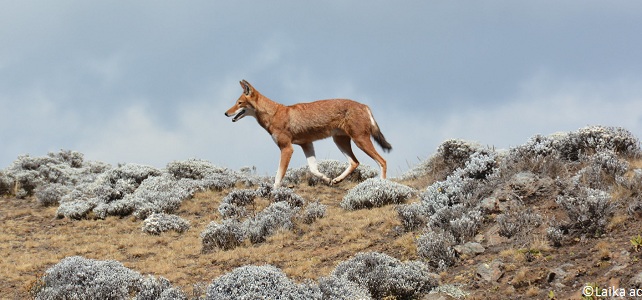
{"x":304,"y":123}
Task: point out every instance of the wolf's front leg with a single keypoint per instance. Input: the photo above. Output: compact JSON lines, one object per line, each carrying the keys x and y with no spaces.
{"x":286,"y":155}
{"x":308,"y":150}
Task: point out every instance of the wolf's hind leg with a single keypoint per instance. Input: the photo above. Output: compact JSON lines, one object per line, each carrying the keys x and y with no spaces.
{"x":343,"y":142}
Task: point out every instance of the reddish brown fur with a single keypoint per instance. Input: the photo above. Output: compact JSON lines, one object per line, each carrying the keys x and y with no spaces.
{"x":305,"y":123}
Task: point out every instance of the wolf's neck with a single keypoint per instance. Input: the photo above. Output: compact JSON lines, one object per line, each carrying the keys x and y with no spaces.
{"x":266,"y":109}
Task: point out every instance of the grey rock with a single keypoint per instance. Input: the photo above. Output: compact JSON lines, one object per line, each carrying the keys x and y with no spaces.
{"x":490,"y":272}
{"x":470,"y":248}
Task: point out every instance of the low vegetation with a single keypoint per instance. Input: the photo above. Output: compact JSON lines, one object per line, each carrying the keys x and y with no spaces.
{"x":548,"y":217}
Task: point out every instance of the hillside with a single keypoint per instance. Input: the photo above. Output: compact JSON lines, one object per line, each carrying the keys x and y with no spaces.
{"x":551,"y":218}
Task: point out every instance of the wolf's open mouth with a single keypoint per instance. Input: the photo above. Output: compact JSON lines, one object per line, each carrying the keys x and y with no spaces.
{"x":238,"y":116}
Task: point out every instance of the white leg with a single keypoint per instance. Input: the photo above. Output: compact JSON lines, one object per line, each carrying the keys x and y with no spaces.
{"x":343,"y":142}
{"x":308,"y":149}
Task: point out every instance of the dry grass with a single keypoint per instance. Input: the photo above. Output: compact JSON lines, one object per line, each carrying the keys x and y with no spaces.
{"x":33,"y":240}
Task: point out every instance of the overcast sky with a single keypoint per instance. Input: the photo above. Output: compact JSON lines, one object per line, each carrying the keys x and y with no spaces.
{"x":148,"y":81}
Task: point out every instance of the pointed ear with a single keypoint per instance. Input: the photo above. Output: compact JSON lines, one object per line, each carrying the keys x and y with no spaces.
{"x":247,"y":87}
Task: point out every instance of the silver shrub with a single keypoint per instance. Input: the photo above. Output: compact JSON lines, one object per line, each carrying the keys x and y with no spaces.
{"x":106,"y":194}
{"x":264,"y":189}
{"x":517,"y":222}
{"x":555,"y":235}
{"x":133,"y":174}
{"x":376,"y":192}
{"x":227,"y":235}
{"x":77,"y":277}
{"x":386,"y":276}
{"x":609,"y":162}
{"x":478,"y":166}
{"x":74,"y":209}
{"x":157,"y":223}
{"x":233,"y":204}
{"x":160,"y":194}
{"x":452,"y":204}
{"x":210,"y":176}
{"x":451,"y":155}
{"x":589,"y":210}
{"x":152,"y":288}
{"x":80,"y":278}
{"x":460,"y":221}
{"x":277,"y":216}
{"x":313,"y":211}
{"x":283,"y":194}
{"x":437,"y":248}
{"x":340,"y":288}
{"x":6,"y":183}
{"x":240,"y":197}
{"x":51,"y":194}
{"x":259,"y":282}
{"x":593,"y":139}
{"x":228,"y":210}
{"x":68,"y":168}
{"x":413,"y":216}
{"x":465,"y":226}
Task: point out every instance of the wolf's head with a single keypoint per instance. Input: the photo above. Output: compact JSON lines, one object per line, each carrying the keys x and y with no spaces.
{"x":244,"y":106}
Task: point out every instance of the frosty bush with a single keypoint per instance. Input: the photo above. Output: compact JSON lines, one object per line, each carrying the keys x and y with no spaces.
{"x":264,"y":189}
{"x":80,"y":278}
{"x":240,"y":197}
{"x":283,"y":194}
{"x":76,"y":209}
{"x":375,"y":192}
{"x":134,"y":174}
{"x":228,"y":210}
{"x":227,"y":235}
{"x":589,"y":210}
{"x":6,"y":184}
{"x":340,"y":288}
{"x":609,"y":162}
{"x":413,"y":216}
{"x":51,"y":194}
{"x":517,"y":221}
{"x":593,"y":139}
{"x":386,"y":276}
{"x":479,"y":166}
{"x":555,"y":235}
{"x":601,"y":171}
{"x":152,"y":288}
{"x":452,"y":204}
{"x":192,"y":169}
{"x":276,"y":216}
{"x":313,"y":211}
{"x":332,"y":169}
{"x":259,"y":282}
{"x":208,"y":175}
{"x":437,"y":249}
{"x":158,"y":223}
{"x":465,"y":226}
{"x":77,"y":277}
{"x":160,"y":194}
{"x":451,"y":155}
{"x":65,"y":167}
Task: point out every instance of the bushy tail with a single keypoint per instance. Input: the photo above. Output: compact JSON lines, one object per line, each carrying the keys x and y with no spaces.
{"x":381,"y":140}
{"x":378,"y":136}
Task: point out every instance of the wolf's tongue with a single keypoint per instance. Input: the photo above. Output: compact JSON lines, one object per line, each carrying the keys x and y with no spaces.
{"x":240,"y":114}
